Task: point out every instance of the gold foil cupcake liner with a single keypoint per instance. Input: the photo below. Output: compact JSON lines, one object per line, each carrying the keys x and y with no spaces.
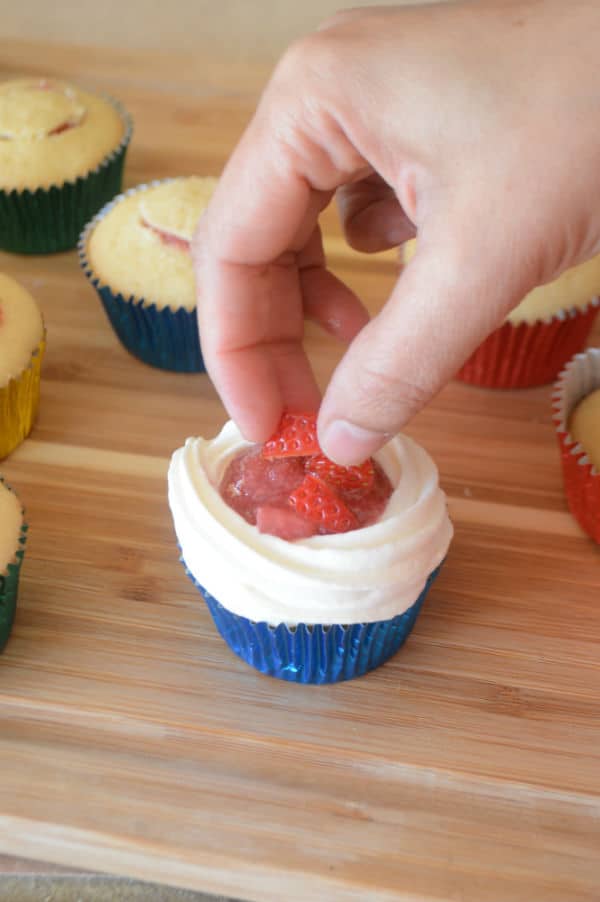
{"x":19,"y":403}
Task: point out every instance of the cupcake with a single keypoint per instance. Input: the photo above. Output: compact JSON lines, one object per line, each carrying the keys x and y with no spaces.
{"x":540,"y":335}
{"x":136,"y":253}
{"x":13,"y":533}
{"x":61,"y":158}
{"x":22,"y":344}
{"x":313,"y":573}
{"x":577,"y":419}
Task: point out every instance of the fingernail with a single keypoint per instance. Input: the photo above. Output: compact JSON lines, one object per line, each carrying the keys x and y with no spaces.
{"x":346,"y":444}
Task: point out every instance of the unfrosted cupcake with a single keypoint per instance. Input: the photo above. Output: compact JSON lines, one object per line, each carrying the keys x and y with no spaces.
{"x":61,"y":158}
{"x":322,"y":607}
{"x":136,"y":253}
{"x":13,"y":533}
{"x":577,"y":418}
{"x":22,"y":345}
{"x":540,"y":335}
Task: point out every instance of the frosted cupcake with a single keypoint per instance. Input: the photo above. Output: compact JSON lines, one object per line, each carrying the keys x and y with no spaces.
{"x":61,"y":158}
{"x":13,"y":533}
{"x":22,"y":347}
{"x":540,"y":335}
{"x":136,"y":253}
{"x":336,"y":597}
{"x":577,"y":418}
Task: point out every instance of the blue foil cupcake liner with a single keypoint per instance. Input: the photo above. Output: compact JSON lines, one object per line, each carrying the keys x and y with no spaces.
{"x":314,"y":653}
{"x":161,"y":337}
{"x":49,"y":220}
{"x":9,"y":588}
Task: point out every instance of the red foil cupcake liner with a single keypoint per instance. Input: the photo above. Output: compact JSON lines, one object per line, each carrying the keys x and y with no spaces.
{"x":582,"y":481}
{"x":529,"y":354}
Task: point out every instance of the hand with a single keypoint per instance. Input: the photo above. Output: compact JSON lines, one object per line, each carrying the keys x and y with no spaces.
{"x":477,"y":125}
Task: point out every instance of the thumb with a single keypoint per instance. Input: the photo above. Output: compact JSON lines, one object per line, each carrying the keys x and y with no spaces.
{"x":444,"y":304}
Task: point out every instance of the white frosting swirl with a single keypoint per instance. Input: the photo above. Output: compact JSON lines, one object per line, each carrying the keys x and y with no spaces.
{"x":360,"y":576}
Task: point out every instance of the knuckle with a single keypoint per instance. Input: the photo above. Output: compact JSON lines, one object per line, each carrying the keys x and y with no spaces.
{"x":319,"y":59}
{"x":303,"y":56}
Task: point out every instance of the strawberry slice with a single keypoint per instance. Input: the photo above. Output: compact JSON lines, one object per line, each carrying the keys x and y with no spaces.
{"x":359,"y":477}
{"x":319,"y":503}
{"x":296,"y":436}
{"x":285,"y":523}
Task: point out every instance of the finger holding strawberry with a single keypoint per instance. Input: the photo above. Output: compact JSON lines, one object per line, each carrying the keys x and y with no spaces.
{"x":290,"y":489}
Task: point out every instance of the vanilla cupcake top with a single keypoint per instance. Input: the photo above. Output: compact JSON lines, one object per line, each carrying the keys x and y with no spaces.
{"x":584,"y":426}
{"x":575,"y":288}
{"x":11,"y":520}
{"x":140,"y":245}
{"x":21,"y":328}
{"x":52,"y":133}
{"x":364,"y":575}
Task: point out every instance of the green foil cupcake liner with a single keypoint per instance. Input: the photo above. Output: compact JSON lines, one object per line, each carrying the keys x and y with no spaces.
{"x":314,"y":653}
{"x":9,"y":588}
{"x":48,"y":220}
{"x":161,"y":337}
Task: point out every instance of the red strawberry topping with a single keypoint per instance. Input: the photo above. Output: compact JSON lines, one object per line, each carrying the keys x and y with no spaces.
{"x":319,"y":503}
{"x":296,"y":436}
{"x":347,"y":478}
{"x":288,"y":488}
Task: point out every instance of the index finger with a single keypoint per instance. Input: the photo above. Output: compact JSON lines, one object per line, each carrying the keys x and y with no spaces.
{"x":249,"y":251}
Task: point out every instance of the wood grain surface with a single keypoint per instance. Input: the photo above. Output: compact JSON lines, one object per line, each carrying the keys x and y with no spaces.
{"x":133,"y":741}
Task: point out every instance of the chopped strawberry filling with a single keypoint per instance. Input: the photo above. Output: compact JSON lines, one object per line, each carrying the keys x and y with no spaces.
{"x":320,"y":504}
{"x":284,"y":522}
{"x":356,"y":477}
{"x":251,"y":482}
{"x":296,"y":495}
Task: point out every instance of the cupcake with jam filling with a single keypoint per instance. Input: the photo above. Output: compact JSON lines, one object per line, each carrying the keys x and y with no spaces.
{"x":61,"y":158}
{"x":13,"y":534}
{"x":136,"y":253}
{"x":22,"y":344}
{"x":312,"y":572}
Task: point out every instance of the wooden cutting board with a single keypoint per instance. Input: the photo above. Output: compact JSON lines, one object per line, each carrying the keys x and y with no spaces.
{"x":133,"y":741}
